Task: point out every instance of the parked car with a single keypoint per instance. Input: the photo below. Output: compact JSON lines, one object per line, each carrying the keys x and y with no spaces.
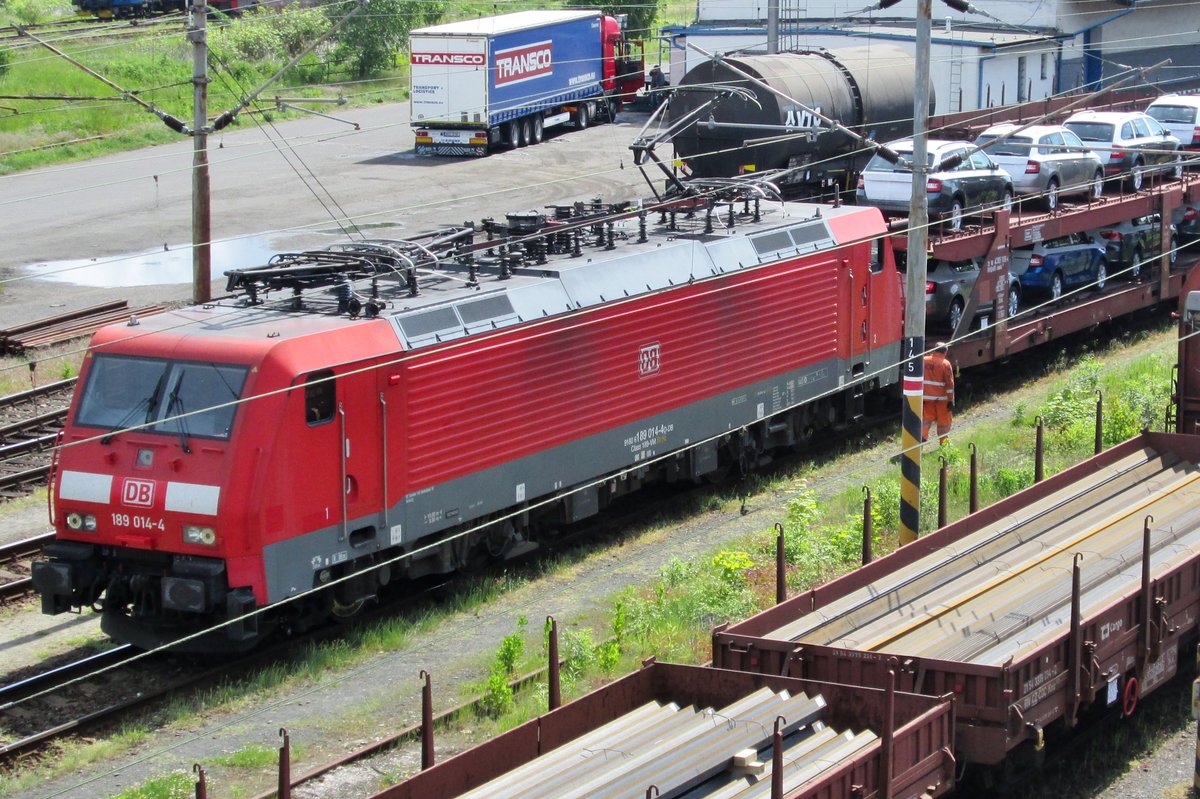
{"x":1180,"y":115}
{"x":1045,"y":161}
{"x":1129,"y":244}
{"x":1136,"y":145}
{"x":1055,"y":265}
{"x":975,"y":185}
{"x":948,"y":286}
{"x":1186,"y":219}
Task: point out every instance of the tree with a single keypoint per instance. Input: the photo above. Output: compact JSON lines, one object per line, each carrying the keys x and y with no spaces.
{"x":370,"y":40}
{"x":640,"y":19}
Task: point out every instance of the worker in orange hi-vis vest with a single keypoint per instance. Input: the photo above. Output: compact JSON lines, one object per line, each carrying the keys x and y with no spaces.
{"x":939,"y":393}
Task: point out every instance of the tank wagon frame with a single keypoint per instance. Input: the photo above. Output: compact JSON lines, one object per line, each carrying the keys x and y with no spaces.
{"x":1109,"y":653}
{"x":911,"y":755}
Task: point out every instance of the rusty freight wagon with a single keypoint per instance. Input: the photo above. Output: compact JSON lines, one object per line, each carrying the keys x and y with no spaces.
{"x":700,"y":732}
{"x":1074,"y":596}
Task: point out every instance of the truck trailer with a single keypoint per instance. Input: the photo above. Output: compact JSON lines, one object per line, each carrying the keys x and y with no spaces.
{"x":483,"y":84}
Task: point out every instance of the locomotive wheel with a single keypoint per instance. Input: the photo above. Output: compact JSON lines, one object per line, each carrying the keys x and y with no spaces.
{"x":341,"y":612}
{"x":1051,"y":197}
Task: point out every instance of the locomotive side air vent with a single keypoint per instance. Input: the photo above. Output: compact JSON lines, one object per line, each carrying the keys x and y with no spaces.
{"x":487,"y":313}
{"x":805,"y":237}
{"x":429,"y":327}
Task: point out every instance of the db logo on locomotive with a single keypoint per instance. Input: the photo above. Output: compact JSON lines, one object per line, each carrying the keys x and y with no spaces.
{"x":649,"y":360}
{"x":139,"y":493}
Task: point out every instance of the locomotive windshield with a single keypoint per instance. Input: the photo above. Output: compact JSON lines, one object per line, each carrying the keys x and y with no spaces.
{"x":177,"y":397}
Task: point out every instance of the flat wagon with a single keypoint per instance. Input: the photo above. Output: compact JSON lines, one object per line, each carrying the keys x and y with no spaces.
{"x":1066,"y":599}
{"x":700,"y":732}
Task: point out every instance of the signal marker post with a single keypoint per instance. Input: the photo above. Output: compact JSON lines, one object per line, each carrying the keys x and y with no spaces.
{"x":914,"y":292}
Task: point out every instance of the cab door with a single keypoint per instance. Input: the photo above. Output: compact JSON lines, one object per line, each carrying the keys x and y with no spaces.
{"x":359,"y":421}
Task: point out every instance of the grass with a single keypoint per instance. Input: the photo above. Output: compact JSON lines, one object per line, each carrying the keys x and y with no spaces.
{"x":44,"y":366}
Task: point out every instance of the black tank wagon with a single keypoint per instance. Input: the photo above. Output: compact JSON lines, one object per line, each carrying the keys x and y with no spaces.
{"x":867,"y":89}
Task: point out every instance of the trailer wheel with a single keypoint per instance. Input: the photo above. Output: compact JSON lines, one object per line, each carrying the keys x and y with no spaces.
{"x":526,"y":132}
{"x":512,"y":133}
{"x":539,"y":130}
{"x":1129,"y":697}
{"x":581,"y":116}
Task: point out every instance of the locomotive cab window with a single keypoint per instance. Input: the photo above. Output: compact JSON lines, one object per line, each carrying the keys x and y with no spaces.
{"x":320,"y":397}
{"x":161,"y":396}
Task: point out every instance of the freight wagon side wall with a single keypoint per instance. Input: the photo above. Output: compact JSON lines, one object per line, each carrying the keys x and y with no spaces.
{"x":920,"y":751}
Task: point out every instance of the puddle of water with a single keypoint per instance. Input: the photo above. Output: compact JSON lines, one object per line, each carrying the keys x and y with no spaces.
{"x":155,"y":268}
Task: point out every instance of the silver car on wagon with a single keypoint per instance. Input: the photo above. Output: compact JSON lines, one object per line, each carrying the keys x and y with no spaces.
{"x":1045,"y":161}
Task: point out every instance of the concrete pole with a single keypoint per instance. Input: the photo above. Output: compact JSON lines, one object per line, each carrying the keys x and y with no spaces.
{"x":201,"y":213}
{"x":772,"y":26}
{"x":914,"y":300}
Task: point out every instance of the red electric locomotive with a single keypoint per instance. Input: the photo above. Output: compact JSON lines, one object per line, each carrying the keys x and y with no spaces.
{"x":386,"y":409}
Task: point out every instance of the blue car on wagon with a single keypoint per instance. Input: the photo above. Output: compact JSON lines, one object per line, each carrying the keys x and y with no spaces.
{"x":1055,"y":266}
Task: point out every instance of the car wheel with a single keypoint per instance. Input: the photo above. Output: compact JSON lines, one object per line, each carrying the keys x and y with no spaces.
{"x":581,"y":116}
{"x":1173,"y":255}
{"x":1014,"y":301}
{"x":539,"y":130}
{"x":956,"y":314}
{"x":610,"y":110}
{"x":1098,"y":185}
{"x":955,"y":217}
{"x":1051,"y":197}
{"x":512,"y":133}
{"x":1007,"y":204}
{"x":1177,"y":166}
{"x":1101,"y":276}
{"x":1056,"y":286}
{"x":1137,"y":177}
{"x":1135,"y":265}
{"x":526,"y":132}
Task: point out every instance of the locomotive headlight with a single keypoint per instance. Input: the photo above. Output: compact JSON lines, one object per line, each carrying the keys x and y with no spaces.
{"x":81,"y":521}
{"x":193,"y":534}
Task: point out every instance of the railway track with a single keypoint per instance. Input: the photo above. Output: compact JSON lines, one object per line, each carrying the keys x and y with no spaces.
{"x":14,"y":567}
{"x":29,"y":424}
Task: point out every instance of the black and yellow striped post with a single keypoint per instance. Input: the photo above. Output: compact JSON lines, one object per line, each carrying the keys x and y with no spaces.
{"x":910,"y":439}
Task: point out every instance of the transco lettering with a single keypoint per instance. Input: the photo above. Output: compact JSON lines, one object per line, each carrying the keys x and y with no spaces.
{"x":453,"y":59}
{"x":524,"y":63}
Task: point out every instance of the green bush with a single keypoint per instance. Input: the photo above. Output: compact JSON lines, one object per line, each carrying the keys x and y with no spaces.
{"x":497,"y":697}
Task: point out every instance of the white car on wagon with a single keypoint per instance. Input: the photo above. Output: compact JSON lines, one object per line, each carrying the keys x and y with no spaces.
{"x":1180,"y":115}
{"x":1045,"y":161}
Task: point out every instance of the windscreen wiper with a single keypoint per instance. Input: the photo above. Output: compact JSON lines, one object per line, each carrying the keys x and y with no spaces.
{"x":149,"y":403}
{"x":173,"y":402}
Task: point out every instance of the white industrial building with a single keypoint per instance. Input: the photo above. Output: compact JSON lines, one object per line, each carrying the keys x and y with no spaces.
{"x":1025,"y":49}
